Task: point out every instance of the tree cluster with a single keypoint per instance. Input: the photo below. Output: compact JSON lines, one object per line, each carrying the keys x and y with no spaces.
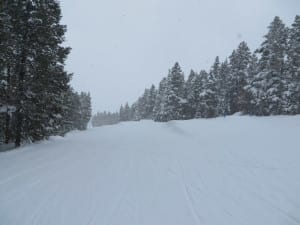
{"x":105,"y":118}
{"x":36,"y":99}
{"x":265,"y":82}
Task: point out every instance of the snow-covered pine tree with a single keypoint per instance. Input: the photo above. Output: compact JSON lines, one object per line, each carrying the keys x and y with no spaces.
{"x":158,"y":110}
{"x":7,"y":73}
{"x":105,"y":118}
{"x":85,"y":110}
{"x":239,"y":62}
{"x":268,"y":85}
{"x":150,"y":102}
{"x":174,"y":96}
{"x":249,"y":108}
{"x":201,"y":109}
{"x":127,"y":112}
{"x":291,"y":95}
{"x":71,"y":112}
{"x":135,"y":112}
{"x":35,"y":39}
{"x":122,"y":114}
{"x":210,"y":92}
{"x":48,"y":79}
{"x":223,"y":99}
{"x":8,"y":61}
{"x":143,"y":104}
{"x":193,"y":90}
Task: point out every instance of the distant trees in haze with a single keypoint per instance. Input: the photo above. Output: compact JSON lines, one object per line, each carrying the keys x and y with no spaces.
{"x":105,"y":118}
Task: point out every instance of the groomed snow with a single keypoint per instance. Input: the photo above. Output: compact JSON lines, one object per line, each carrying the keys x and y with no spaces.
{"x":227,"y":171}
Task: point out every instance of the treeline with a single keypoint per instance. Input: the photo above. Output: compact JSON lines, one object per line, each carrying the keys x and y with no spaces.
{"x":36,"y":99}
{"x":265,"y":82}
{"x":105,"y":118}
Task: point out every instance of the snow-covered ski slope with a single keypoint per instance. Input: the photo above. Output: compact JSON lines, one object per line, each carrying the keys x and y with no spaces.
{"x":228,"y":171}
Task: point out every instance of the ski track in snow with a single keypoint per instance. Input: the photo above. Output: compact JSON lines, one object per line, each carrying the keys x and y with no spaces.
{"x":236,"y":170}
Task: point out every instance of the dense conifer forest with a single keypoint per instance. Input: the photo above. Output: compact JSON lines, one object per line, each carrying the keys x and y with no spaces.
{"x":262,"y":83}
{"x":36,"y":99}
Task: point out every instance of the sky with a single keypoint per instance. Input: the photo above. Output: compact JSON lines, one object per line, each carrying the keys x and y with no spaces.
{"x":121,"y":47}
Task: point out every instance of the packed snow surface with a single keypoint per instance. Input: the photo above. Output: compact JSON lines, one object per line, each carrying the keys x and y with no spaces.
{"x":235,"y":171}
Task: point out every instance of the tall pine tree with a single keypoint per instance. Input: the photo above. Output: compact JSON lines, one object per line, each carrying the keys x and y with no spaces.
{"x":268,"y":85}
{"x":292,"y":88}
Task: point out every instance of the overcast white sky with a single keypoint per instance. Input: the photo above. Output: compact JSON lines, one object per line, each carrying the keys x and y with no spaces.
{"x":121,"y":47}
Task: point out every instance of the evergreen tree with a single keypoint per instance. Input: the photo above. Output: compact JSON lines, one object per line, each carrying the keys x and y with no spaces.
{"x":158,"y":110}
{"x":127,"y":112}
{"x":292,"y":87}
{"x":193,"y":90}
{"x":224,"y":87}
{"x":239,"y":62}
{"x":151,"y":97}
{"x":34,"y":85}
{"x":202,"y":107}
{"x":71,"y":112}
{"x":268,"y":85}
{"x":85,"y":110}
{"x":142,"y":104}
{"x":173,"y":99}
{"x":135,"y":112}
{"x":211,"y":90}
{"x":121,"y":112}
{"x":7,"y":77}
{"x":105,"y":118}
{"x":249,"y":108}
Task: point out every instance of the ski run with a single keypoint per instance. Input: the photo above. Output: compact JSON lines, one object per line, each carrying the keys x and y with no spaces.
{"x":237,"y":170}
